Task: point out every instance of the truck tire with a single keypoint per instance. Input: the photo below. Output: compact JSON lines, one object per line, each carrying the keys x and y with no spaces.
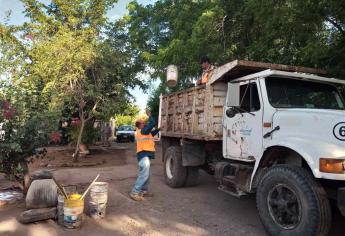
{"x":192,"y":178}
{"x":174,"y":173}
{"x":291,"y":202}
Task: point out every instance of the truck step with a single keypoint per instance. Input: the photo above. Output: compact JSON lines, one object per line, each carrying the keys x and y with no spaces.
{"x":229,"y":185}
{"x":234,"y":178}
{"x":233,"y":191}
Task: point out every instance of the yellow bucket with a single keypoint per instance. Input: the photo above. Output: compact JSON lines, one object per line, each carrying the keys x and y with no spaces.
{"x":74,"y":201}
{"x":73,"y":211}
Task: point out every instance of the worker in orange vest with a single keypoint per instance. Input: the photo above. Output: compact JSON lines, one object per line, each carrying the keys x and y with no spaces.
{"x":145,"y":152}
{"x":207,"y":69}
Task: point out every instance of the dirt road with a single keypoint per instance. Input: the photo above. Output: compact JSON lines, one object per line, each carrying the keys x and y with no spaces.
{"x":201,"y":210}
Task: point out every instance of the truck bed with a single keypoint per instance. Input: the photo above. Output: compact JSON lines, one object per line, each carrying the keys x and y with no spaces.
{"x":195,"y":113}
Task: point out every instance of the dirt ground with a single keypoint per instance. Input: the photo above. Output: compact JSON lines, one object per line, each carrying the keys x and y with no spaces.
{"x":201,"y":210}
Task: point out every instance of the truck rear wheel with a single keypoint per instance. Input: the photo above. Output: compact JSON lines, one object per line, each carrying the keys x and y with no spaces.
{"x":174,"y":173}
{"x":291,"y":202}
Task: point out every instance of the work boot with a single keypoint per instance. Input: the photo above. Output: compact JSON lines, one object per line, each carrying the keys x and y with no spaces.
{"x":136,"y":196}
{"x":146,"y":194}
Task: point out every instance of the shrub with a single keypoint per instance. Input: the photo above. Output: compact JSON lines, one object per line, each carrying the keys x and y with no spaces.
{"x":20,"y":138}
{"x":90,"y":133}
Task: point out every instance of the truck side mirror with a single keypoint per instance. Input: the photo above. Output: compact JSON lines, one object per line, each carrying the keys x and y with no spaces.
{"x":233,"y":95}
{"x":230,"y":112}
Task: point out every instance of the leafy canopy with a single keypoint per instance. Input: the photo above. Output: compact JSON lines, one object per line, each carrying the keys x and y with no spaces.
{"x":304,"y":33}
{"x":67,"y":58}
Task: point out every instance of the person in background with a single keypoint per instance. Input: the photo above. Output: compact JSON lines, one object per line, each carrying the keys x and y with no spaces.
{"x":145,"y":152}
{"x":106,"y":133}
{"x":207,"y":69}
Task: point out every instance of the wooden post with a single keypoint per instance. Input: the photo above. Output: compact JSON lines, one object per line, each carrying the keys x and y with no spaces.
{"x":193,"y":110}
{"x":159,"y":115}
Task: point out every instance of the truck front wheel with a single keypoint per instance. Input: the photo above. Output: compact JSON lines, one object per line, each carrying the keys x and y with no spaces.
{"x":174,"y":173}
{"x":291,"y":202}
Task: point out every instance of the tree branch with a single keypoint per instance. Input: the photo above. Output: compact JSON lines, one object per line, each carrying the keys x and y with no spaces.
{"x":92,"y":111}
{"x":335,"y":24}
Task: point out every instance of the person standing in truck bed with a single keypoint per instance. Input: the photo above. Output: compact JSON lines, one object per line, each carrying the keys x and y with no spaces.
{"x":207,"y":69}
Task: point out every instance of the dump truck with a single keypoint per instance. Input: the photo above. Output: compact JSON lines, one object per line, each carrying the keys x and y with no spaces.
{"x":270,"y":129}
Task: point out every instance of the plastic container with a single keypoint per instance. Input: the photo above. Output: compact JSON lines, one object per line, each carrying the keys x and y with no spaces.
{"x":172,"y":75}
{"x":98,"y":200}
{"x":73,"y":211}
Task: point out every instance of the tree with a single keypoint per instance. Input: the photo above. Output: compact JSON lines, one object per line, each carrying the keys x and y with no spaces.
{"x":154,"y":99}
{"x":68,"y":50}
{"x":304,"y":33}
{"x":124,"y":120}
{"x":128,"y":116}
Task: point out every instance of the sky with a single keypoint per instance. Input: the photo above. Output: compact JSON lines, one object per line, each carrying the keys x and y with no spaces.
{"x":17,"y":17}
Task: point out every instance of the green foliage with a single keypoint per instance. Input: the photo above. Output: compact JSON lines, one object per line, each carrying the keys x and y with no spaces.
{"x":153,"y":101}
{"x":128,"y":117}
{"x":89,"y":136}
{"x":303,"y":33}
{"x":24,"y":126}
{"x":124,"y":120}
{"x":306,"y":33}
{"x":131,"y":110}
{"x":20,"y":136}
{"x":70,"y":59}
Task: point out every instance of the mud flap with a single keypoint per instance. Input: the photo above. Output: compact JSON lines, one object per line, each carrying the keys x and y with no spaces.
{"x":341,"y":200}
{"x":193,"y":153}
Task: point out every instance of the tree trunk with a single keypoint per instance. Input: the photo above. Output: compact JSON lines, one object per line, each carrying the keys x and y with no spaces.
{"x":84,"y":117}
{"x":76,"y":152}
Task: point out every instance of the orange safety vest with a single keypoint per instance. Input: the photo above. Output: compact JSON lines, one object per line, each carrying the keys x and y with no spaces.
{"x":145,"y":142}
{"x":204,"y":78}
{"x":206,"y":74}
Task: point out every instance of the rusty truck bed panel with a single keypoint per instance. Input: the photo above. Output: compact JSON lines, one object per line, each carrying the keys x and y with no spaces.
{"x":194,"y":113}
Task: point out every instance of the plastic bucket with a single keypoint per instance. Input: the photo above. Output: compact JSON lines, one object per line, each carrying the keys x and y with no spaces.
{"x":172,"y":75}
{"x":98,"y":200}
{"x":73,"y":211}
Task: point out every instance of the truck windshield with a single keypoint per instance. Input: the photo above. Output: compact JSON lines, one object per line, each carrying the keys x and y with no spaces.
{"x":293,"y":93}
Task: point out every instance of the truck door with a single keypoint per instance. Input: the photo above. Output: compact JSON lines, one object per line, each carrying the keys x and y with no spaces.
{"x":243,"y":125}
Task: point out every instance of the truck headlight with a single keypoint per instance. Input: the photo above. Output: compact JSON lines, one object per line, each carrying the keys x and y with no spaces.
{"x":335,"y":166}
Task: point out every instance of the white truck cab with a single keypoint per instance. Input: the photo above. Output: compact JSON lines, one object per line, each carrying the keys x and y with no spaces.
{"x":301,"y":112}
{"x":282,"y":137}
